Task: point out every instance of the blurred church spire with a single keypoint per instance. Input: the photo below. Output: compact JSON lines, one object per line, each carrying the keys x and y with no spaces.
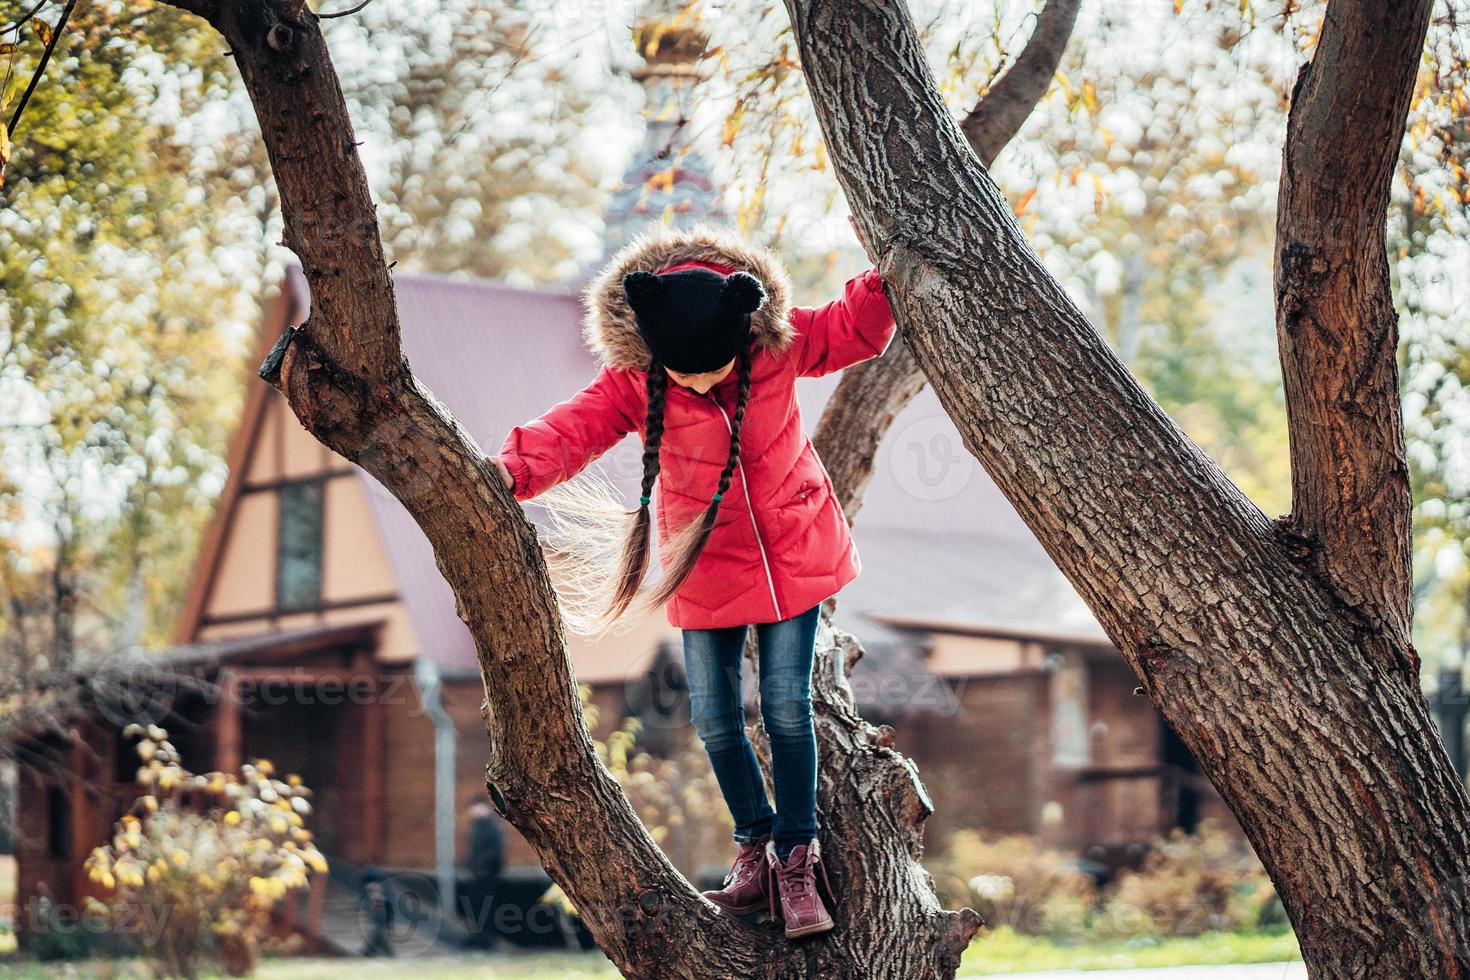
{"x":668,"y":180}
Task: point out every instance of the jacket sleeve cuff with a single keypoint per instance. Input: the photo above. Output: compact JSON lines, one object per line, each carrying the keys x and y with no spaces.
{"x":879,"y":340}
{"x":520,"y":473}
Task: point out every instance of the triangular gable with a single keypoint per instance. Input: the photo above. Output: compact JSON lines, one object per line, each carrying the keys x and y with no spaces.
{"x":287,"y":308}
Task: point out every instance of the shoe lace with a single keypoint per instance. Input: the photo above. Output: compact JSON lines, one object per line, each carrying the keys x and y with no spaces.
{"x":744,"y":867}
{"x":793,"y":880}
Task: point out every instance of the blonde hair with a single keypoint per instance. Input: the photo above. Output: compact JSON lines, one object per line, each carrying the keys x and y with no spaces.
{"x":597,"y":551}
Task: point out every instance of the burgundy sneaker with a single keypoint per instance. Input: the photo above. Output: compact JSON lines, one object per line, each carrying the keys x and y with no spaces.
{"x":745,"y":883}
{"x":795,"y":882}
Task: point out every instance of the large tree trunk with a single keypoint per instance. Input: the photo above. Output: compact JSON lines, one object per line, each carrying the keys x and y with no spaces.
{"x":870,"y":395}
{"x":1278,"y":651}
{"x":345,"y":377}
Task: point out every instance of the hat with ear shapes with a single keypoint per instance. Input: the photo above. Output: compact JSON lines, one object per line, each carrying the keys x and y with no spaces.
{"x":693,"y":319}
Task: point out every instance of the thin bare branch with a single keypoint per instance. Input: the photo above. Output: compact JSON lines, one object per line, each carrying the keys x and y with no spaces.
{"x":24,"y":17}
{"x":346,"y":13}
{"x":51,"y":43}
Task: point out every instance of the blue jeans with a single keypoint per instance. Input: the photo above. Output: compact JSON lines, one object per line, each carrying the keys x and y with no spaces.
{"x":712,"y":662}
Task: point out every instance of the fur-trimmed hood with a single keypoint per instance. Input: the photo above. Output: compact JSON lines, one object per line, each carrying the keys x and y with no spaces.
{"x":610,"y":328}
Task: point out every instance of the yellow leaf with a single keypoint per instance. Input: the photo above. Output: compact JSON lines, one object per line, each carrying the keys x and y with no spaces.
{"x":43,"y":29}
{"x":1025,"y":201}
{"x":732,"y":126}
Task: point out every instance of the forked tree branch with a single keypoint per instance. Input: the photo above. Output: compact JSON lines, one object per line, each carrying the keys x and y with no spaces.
{"x":1001,"y":113}
{"x":1293,"y":701}
{"x":1335,"y":319}
{"x":872,"y":394}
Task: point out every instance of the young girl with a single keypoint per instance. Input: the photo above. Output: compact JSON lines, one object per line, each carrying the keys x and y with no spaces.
{"x":700,"y":353}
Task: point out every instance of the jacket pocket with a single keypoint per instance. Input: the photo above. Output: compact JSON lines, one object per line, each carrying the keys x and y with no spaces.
{"x":806,"y":489}
{"x":797,"y":511}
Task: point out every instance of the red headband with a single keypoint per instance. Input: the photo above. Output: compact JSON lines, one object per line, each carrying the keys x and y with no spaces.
{"x":723,"y":270}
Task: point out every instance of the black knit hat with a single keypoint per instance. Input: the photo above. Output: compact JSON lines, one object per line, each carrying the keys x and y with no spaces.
{"x":694,"y":320}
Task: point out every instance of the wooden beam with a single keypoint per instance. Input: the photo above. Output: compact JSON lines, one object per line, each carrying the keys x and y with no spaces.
{"x":227,"y":721}
{"x":377,"y":599}
{"x":374,"y":752}
{"x":81,"y":835}
{"x":279,"y":483}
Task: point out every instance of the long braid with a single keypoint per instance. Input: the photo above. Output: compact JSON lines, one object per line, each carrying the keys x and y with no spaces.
{"x":634,"y":563}
{"x":692,"y":542}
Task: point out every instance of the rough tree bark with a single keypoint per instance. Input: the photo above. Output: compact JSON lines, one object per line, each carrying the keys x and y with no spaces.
{"x":870,"y":395}
{"x":346,"y":378}
{"x":1278,"y":651}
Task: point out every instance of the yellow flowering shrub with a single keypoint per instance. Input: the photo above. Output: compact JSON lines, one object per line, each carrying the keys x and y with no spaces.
{"x":1189,"y":884}
{"x":1014,"y":880}
{"x":198,"y":866}
{"x":674,"y":793}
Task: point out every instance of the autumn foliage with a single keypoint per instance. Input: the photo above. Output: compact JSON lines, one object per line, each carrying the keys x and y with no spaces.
{"x":203,"y":860}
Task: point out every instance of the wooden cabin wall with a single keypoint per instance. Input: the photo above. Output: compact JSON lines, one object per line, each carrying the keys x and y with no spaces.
{"x":357,"y":583}
{"x":983,"y":765}
{"x":64,"y":809}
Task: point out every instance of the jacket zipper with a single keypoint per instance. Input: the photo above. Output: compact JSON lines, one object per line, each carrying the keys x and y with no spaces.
{"x":745,"y":489}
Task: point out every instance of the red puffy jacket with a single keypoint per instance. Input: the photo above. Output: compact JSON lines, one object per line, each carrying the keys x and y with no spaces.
{"x":780,"y":544}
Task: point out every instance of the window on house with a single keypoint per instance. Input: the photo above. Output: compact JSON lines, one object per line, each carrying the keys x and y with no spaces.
{"x":9,"y":795}
{"x":58,"y":830}
{"x":299,"y":546}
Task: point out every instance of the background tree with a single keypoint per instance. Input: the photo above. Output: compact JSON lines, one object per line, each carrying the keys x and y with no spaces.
{"x":1428,"y":233}
{"x":478,"y":124}
{"x":120,"y":355}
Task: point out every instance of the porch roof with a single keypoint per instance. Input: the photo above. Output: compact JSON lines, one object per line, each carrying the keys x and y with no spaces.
{"x":275,"y":646}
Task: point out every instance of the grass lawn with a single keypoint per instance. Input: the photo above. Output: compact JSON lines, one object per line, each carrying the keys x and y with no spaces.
{"x":533,"y":966}
{"x":1001,"y":952}
{"x":1004,"y":951}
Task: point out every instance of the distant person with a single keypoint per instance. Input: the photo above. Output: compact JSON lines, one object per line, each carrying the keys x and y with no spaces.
{"x":376,"y":913}
{"x":486,"y":861}
{"x":701,"y":351}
